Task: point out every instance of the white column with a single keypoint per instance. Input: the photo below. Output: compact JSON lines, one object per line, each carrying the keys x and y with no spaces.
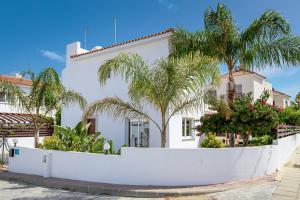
{"x":47,"y":164}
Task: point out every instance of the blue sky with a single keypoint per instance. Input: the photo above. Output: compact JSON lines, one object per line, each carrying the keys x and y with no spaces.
{"x":34,"y":33}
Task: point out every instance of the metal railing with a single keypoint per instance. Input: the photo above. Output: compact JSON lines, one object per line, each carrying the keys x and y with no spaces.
{"x":287,"y":130}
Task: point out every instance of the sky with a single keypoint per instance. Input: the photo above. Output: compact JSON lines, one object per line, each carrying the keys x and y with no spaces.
{"x":34,"y":33}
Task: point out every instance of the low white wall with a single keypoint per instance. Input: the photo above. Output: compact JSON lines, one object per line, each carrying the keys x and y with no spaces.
{"x":22,"y":142}
{"x":156,"y":166}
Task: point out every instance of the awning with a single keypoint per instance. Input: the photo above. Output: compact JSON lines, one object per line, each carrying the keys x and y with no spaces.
{"x":22,"y":125}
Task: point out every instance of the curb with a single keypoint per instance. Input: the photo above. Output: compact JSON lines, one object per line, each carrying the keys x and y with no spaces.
{"x":126,"y":190}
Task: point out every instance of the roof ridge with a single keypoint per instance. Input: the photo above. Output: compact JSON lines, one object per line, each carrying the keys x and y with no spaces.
{"x":169,"y":30}
{"x":243,"y":70}
{"x":16,"y":80}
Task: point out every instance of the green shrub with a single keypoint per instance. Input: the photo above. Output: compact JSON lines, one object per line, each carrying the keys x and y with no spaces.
{"x":291,"y":116}
{"x":75,"y":139}
{"x":211,"y":141}
{"x":262,"y":140}
{"x":53,"y":143}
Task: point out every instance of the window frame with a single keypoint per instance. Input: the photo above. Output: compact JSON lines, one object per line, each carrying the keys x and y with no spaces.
{"x":184,"y":135}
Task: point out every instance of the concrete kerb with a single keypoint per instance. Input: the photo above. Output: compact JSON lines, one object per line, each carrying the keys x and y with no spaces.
{"x":126,"y":190}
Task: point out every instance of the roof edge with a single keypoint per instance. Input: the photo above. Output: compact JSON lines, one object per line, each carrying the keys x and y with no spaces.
{"x":166,"y":31}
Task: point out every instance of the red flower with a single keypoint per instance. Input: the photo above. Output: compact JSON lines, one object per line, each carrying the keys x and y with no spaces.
{"x":264,"y":101}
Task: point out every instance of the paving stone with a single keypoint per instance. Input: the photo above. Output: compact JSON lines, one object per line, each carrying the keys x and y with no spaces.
{"x":289,"y":185}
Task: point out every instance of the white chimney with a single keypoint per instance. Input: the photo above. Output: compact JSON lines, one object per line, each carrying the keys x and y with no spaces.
{"x":96,"y":48}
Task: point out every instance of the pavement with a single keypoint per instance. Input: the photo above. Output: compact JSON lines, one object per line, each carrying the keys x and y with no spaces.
{"x":289,"y":180}
{"x":128,"y":190}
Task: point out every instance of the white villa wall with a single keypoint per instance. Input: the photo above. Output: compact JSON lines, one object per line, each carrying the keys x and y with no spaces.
{"x":156,"y":166}
{"x":260,"y":85}
{"x":80,"y":74}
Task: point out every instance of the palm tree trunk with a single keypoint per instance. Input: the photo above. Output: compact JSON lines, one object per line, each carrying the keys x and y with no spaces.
{"x":230,"y":96}
{"x":231,"y":87}
{"x":245,"y":139}
{"x":163,"y":130}
{"x":36,"y":136}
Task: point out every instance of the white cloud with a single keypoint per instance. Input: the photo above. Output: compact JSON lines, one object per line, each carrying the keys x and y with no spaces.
{"x":53,"y":55}
{"x":167,"y":3}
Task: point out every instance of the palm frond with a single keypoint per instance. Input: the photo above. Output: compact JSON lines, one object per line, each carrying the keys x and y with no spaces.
{"x":14,"y":94}
{"x":127,"y":65}
{"x":268,"y":26}
{"x":187,"y":104}
{"x":117,"y":108}
{"x":281,"y":52}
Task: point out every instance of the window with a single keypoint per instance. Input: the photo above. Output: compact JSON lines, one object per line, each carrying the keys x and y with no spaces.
{"x":187,"y":127}
{"x":2,"y":97}
{"x":212,"y":93}
{"x":238,"y":91}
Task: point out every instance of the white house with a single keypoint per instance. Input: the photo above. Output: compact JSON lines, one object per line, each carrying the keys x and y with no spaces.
{"x":252,"y":82}
{"x":80,"y":74}
{"x":281,"y":99}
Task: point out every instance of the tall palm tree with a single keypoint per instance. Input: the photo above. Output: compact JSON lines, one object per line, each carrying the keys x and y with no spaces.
{"x":45,"y":96}
{"x":266,"y":42}
{"x":172,"y":86}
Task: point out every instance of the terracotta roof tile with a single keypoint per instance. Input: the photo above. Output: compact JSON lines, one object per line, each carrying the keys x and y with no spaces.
{"x":170,"y":30}
{"x":242,"y":73}
{"x":15,"y":80}
{"x":278,"y":92}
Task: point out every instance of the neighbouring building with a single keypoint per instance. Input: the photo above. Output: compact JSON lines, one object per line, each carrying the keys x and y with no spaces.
{"x":254,"y":83}
{"x":80,"y":74}
{"x":15,"y":123}
{"x":248,"y":82}
{"x":281,"y":99}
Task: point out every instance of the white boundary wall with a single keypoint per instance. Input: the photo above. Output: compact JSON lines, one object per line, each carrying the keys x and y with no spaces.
{"x":155,"y":166}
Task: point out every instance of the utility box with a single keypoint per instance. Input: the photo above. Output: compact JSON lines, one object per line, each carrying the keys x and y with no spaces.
{"x":12,"y":152}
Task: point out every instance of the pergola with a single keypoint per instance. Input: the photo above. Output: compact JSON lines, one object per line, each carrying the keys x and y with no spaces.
{"x":22,"y":125}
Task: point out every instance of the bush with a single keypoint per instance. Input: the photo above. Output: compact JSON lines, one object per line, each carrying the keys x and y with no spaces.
{"x":52,"y":143}
{"x":211,"y":141}
{"x":291,"y":116}
{"x":262,"y":140}
{"x":75,"y":139}
{"x":248,"y":117}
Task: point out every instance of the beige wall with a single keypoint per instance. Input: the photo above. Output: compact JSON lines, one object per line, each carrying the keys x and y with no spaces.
{"x":281,"y":100}
{"x":250,"y":83}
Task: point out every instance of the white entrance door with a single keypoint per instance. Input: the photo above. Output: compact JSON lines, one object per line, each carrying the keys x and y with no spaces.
{"x":138,"y":133}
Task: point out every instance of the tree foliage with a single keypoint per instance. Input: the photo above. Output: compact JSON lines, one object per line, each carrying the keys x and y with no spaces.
{"x":248,"y":117}
{"x":171,"y":86}
{"x":45,"y":95}
{"x":211,"y":141}
{"x":266,"y":42}
{"x":75,"y":139}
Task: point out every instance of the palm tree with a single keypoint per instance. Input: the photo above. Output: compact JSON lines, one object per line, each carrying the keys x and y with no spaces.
{"x":45,"y":96}
{"x":266,"y":42}
{"x":172,"y":86}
